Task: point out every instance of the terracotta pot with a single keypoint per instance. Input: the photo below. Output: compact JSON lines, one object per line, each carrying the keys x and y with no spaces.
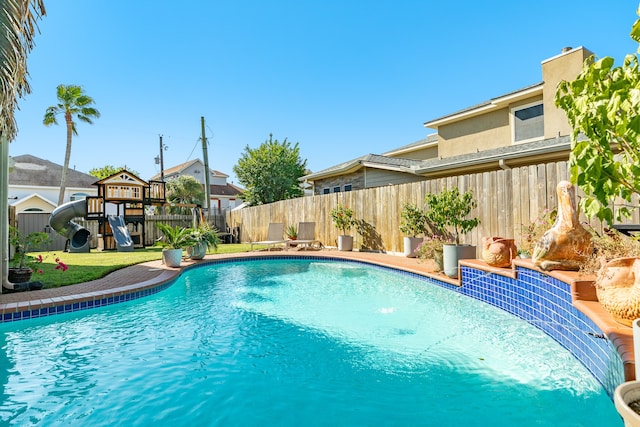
{"x":618,"y":289}
{"x":498,"y":251}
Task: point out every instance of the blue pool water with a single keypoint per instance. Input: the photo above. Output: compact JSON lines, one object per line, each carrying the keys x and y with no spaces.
{"x":293,"y":343}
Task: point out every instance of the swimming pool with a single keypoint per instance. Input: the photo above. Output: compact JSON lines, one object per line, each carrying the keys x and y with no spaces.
{"x":294,"y":342}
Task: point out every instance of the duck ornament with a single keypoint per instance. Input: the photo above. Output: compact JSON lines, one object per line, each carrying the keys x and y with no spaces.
{"x":567,"y":243}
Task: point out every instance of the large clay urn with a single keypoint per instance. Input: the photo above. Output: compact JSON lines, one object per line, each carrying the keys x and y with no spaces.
{"x":498,"y":251}
{"x":618,"y":289}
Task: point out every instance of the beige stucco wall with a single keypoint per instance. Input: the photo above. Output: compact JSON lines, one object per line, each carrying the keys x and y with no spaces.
{"x":493,"y":129}
{"x":421,"y":154}
{"x":474,"y":134}
{"x":565,"y":66}
{"x":34,"y":203}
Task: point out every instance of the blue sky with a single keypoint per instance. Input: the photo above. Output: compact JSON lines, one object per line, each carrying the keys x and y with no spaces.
{"x":341,"y":78}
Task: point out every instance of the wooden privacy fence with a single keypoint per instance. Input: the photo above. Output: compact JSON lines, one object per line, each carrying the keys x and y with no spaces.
{"x":36,"y":221}
{"x":507,"y":200}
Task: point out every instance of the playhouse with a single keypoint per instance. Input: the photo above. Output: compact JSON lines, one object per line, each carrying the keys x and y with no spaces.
{"x":122,"y":201}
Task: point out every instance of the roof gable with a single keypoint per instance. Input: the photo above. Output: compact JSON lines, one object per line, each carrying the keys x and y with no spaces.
{"x":31,"y":197}
{"x":122,"y":177}
{"x":179,"y":169}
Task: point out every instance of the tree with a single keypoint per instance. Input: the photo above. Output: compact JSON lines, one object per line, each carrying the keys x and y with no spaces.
{"x":270,"y":172}
{"x":73,"y":103}
{"x":603,"y":108}
{"x":184,"y":190}
{"x":109,"y":170}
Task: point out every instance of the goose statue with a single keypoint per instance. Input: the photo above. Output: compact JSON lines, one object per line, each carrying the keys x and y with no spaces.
{"x":566,"y":244}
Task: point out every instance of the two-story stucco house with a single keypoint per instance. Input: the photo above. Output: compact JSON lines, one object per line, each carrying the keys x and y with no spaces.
{"x":224,"y":196}
{"x":519,"y":128}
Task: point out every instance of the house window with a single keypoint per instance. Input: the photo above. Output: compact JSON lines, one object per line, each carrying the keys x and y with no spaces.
{"x":336,"y":189}
{"x":528,"y":123}
{"x":347,"y":187}
{"x":326,"y":190}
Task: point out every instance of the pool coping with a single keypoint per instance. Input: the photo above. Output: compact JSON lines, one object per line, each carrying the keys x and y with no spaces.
{"x":151,"y":277}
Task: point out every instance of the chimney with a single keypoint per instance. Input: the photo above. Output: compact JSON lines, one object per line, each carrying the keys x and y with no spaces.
{"x":566,"y":49}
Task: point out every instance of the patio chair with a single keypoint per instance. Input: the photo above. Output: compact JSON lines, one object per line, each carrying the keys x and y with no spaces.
{"x":275,"y":233}
{"x":307,"y":236}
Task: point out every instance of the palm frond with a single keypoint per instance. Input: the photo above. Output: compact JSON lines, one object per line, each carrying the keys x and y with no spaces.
{"x":17,"y":30}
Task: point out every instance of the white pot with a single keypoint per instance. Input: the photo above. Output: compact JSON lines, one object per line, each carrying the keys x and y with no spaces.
{"x":451,"y":254}
{"x":172,"y":257}
{"x":410,"y":246}
{"x":625,"y":393}
{"x":198,"y":251}
{"x":345,"y":243}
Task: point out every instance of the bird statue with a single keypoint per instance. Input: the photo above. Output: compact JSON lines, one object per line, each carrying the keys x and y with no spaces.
{"x":566,"y":244}
{"x":618,"y":289}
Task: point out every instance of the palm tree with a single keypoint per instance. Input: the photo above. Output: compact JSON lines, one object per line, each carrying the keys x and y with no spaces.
{"x":18,"y":22}
{"x":73,"y":103}
{"x":184,"y":190}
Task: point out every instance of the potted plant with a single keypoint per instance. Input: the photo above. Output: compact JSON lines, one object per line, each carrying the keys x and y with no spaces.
{"x":291,"y":232}
{"x":174,"y":240}
{"x":448,"y":213}
{"x":431,"y":249}
{"x":412,"y":224}
{"x":20,"y":268}
{"x":204,"y":237}
{"x":626,"y":397}
{"x":343,"y":220}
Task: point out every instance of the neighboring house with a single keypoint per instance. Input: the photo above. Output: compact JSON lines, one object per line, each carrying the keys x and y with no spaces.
{"x":224,"y":196}
{"x":519,"y":128}
{"x":34,"y":184}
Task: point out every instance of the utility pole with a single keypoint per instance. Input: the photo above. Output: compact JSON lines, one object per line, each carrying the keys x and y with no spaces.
{"x":207,"y":172}
{"x":161,"y":160}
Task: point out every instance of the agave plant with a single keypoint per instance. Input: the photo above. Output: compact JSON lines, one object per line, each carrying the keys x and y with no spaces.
{"x":205,"y":234}
{"x":176,"y":237}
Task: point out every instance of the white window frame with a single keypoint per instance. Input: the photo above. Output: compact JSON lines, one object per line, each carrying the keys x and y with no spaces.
{"x":512,"y":120}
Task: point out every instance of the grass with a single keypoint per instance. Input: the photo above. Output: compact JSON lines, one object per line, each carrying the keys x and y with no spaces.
{"x":84,"y":267}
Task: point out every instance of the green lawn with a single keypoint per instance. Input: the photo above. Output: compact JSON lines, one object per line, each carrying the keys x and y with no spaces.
{"x":84,"y":267}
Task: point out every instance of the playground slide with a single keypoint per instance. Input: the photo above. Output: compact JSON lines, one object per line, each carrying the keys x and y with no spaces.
{"x":60,"y":221}
{"x":121,"y":234}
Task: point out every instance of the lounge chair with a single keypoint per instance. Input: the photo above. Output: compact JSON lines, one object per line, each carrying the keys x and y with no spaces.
{"x":275,"y":234}
{"x":307,"y":235}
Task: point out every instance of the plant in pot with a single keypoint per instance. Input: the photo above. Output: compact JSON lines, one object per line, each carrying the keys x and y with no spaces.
{"x":431,"y":249}
{"x":20,"y":269}
{"x":204,"y":237}
{"x":448,"y":211}
{"x":343,"y":220}
{"x":412,"y":224}
{"x":174,"y":240}
{"x":291,"y":232}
